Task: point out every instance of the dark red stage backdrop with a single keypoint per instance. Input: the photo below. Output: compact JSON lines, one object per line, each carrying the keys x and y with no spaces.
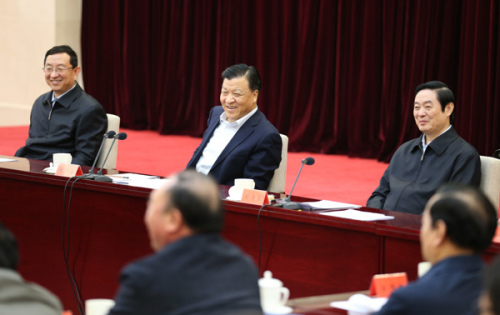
{"x":338,"y":76}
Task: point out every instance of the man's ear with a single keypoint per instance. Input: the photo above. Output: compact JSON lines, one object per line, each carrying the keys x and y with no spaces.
{"x":173,"y":221}
{"x":448,"y":109}
{"x":77,"y":71}
{"x":255,"y":95}
{"x":439,"y":233}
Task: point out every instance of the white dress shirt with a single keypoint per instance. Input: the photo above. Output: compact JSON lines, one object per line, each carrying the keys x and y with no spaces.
{"x":219,"y":140}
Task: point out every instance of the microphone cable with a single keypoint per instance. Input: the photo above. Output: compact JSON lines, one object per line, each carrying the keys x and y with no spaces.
{"x":260,"y":236}
{"x":66,"y":245}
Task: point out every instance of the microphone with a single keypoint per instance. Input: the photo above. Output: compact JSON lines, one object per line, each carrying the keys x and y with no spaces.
{"x":91,"y":175}
{"x":287,"y":204}
{"x":100,"y":177}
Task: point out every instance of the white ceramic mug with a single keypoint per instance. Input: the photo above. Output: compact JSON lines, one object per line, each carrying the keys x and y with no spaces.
{"x":244,"y":183}
{"x":61,"y":158}
{"x":423,"y":267}
{"x":236,"y":191}
{"x":98,"y":306}
{"x":273,"y":296}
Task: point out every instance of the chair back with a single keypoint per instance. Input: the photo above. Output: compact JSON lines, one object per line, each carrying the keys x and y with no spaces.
{"x":490,"y":178}
{"x":277,"y":184}
{"x":113,"y":124}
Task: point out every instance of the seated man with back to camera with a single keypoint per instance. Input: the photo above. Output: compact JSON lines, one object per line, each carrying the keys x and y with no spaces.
{"x":194,"y":270}
{"x":17,"y":296}
{"x":458,"y":225}
{"x":66,"y":119}
{"x":438,"y":156}
{"x":239,"y":141}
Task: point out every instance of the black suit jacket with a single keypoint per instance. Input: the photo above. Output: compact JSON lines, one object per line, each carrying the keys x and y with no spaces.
{"x":75,"y":125}
{"x":200,"y":274}
{"x":254,"y":151}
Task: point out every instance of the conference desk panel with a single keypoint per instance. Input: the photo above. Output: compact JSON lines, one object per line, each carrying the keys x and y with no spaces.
{"x":106,"y":230}
{"x":311,"y":253}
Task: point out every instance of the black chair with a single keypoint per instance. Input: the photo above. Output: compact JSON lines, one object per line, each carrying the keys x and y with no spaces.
{"x":497,"y":154}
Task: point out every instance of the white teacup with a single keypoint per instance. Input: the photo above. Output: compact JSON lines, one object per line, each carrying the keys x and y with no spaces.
{"x":273,"y":296}
{"x":423,"y":267}
{"x":244,"y":183}
{"x":61,"y":158}
{"x":98,"y":306}
{"x":236,"y":191}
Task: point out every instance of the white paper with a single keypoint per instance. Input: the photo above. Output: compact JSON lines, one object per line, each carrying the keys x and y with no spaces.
{"x":361,"y":304}
{"x":327,"y":204}
{"x":153,"y":183}
{"x":7,"y":160}
{"x":132,"y":176}
{"x":358,"y":215}
{"x":138,"y":180}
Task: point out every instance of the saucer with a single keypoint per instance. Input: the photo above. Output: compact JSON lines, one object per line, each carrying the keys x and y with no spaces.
{"x":50,"y":170}
{"x":280,"y":310}
{"x":233,"y":198}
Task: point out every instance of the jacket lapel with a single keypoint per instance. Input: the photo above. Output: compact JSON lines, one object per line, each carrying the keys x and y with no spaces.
{"x":243,"y":133}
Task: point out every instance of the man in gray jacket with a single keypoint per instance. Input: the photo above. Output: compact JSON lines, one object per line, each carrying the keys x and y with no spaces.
{"x":438,"y":156}
{"x":18,"y":297}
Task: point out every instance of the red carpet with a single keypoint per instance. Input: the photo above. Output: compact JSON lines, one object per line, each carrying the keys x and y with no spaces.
{"x":333,"y":177}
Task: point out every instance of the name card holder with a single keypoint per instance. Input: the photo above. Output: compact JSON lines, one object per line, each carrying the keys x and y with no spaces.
{"x":255,"y":197}
{"x":496,"y":238}
{"x":383,"y":285}
{"x":69,"y":170}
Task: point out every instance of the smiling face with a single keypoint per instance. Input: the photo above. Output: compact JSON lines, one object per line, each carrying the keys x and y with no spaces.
{"x":61,"y":82}
{"x":237,"y":98}
{"x":429,"y":116}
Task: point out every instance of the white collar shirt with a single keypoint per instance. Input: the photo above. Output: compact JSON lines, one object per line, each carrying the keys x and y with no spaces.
{"x":224,"y":132}
{"x":424,"y":146}
{"x":54,"y":99}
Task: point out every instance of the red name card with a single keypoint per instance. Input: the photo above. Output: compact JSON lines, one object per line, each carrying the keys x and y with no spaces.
{"x":383,"y":285}
{"x":69,"y":170}
{"x":496,"y":238}
{"x":255,"y":197}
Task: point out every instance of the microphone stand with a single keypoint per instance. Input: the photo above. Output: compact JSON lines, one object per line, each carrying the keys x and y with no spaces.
{"x":103,"y":178}
{"x":286,"y":203}
{"x":91,"y":174}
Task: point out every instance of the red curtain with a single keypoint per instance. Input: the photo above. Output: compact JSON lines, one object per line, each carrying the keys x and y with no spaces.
{"x":338,"y":76}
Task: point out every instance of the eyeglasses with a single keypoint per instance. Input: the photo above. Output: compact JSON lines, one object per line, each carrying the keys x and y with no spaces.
{"x":57,"y":70}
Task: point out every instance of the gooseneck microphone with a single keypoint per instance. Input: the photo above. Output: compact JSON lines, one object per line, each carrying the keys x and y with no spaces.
{"x":287,"y":204}
{"x":100,"y":177}
{"x":91,"y":175}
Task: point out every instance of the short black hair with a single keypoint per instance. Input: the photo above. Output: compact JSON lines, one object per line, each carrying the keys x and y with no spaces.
{"x":470,"y":217}
{"x":9,"y":254}
{"x":242,"y":70}
{"x":491,"y":284}
{"x":203,"y":211}
{"x":73,"y":59}
{"x":443,"y":92}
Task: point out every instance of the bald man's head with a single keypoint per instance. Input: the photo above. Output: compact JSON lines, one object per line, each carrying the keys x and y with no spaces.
{"x":189,"y":203}
{"x":197,"y":198}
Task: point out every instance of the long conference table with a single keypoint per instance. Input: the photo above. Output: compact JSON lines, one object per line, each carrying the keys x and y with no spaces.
{"x":311,"y":253}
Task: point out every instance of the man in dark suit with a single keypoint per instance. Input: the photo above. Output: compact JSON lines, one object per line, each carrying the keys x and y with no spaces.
{"x":194,"y":271}
{"x":239,"y":141}
{"x":458,"y":225}
{"x":438,"y":156}
{"x":66,"y":119}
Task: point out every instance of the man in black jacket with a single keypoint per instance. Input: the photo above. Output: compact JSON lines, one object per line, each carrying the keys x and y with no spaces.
{"x":66,"y":119}
{"x":193,"y":270}
{"x":438,"y":156}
